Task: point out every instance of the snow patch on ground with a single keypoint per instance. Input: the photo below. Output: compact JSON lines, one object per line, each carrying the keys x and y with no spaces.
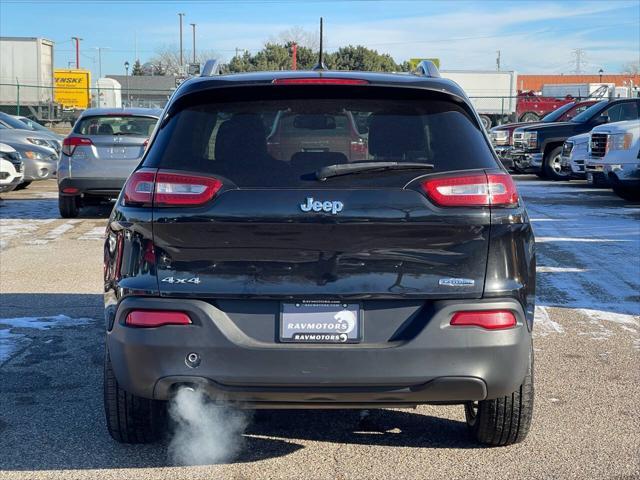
{"x":11,"y":342}
{"x":544,"y":325}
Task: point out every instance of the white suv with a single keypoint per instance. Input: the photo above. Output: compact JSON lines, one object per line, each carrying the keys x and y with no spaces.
{"x":614,"y":150}
{"x":11,"y":168}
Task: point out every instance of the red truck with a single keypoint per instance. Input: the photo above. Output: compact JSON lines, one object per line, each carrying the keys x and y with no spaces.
{"x":531,"y":107}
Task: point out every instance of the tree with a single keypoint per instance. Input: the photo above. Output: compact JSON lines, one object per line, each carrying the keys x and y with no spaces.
{"x":137,"y":69}
{"x":299,"y":36}
{"x":272,"y":57}
{"x":167,"y":59}
{"x":362,"y":59}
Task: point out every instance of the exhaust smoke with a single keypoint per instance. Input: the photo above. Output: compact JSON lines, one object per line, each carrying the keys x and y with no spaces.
{"x":204,"y":433}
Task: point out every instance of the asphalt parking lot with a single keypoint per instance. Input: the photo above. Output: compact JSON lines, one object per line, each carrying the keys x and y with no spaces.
{"x":587,"y":371}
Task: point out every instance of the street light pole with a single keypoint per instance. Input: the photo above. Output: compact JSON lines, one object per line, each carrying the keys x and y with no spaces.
{"x":181,"y":15}
{"x":126,"y":70}
{"x":193,"y":25}
{"x":600,"y":72}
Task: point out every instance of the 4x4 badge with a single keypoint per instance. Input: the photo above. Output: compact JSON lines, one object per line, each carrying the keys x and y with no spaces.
{"x":318,"y":206}
{"x":457,"y":282}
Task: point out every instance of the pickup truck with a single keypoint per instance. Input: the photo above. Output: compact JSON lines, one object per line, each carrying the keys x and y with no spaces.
{"x":502,"y":135}
{"x":614,"y":151}
{"x":539,"y":147}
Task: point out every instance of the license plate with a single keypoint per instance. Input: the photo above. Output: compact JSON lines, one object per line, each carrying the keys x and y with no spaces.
{"x":320,"y":322}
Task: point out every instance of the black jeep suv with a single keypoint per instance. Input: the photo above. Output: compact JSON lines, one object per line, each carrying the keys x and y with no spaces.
{"x":385,"y":267}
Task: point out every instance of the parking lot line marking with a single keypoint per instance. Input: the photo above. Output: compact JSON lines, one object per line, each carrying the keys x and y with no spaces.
{"x":577,"y":239}
{"x":96,"y":233}
{"x":54,"y":234}
{"x":543,"y":269}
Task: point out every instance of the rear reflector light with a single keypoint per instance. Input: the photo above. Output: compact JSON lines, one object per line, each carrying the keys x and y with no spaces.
{"x":488,"y":319}
{"x":176,"y":189}
{"x":156,"y":318}
{"x":169,"y":189}
{"x":70,"y":190}
{"x":483,"y":190}
{"x":319,"y":81}
{"x":69,"y":144}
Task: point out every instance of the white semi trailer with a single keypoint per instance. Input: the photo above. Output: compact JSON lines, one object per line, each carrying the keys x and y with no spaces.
{"x":493,"y":93}
{"x":26,"y":76}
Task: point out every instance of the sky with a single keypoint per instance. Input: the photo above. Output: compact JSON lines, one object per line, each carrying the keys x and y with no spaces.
{"x":532,"y":36}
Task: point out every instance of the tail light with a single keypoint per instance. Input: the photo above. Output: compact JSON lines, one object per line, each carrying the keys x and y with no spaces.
{"x":162,"y":189}
{"x":69,"y":144}
{"x":139,"y":187}
{"x":359,"y":149}
{"x":175,"y":189}
{"x":156,"y":318}
{"x":480,"y":190}
{"x":487,"y":319}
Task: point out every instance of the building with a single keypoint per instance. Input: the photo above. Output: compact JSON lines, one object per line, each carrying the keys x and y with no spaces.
{"x":145,"y":91}
{"x":535,"y":82}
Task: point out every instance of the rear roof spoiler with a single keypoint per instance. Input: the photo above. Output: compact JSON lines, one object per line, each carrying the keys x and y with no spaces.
{"x":211,"y":68}
{"x":426,"y":68}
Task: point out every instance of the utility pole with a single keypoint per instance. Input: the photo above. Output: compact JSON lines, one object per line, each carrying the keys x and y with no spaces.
{"x":498,"y":61}
{"x":99,"y":71}
{"x":100,"y":49}
{"x":193,"y":25}
{"x":77,"y":40}
{"x":294,"y":56}
{"x":181,"y":15}
{"x":237,"y":50}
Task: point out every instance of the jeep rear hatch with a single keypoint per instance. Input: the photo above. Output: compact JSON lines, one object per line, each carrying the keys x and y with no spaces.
{"x":236,"y":215}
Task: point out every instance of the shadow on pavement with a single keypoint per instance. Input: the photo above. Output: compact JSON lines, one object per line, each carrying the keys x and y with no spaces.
{"x":52,"y":413}
{"x":25,"y":209}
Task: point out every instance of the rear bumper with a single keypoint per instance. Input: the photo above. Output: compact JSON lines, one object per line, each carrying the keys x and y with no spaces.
{"x":439,"y":363}
{"x":92,"y":186}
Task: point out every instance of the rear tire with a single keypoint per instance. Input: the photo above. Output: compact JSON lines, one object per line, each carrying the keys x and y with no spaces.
{"x":626,"y":193}
{"x":502,"y":421}
{"x":131,"y":419}
{"x":22,"y":186}
{"x":486,"y":121}
{"x":69,"y":206}
{"x":551,"y":165}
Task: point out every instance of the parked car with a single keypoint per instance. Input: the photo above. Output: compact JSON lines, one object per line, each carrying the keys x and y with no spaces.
{"x":42,"y":138}
{"x":103,"y":148}
{"x":574,"y":153}
{"x":502,"y":135}
{"x":40,"y":162}
{"x":614,"y":152}
{"x":11,"y":168}
{"x":539,"y":146}
{"x":33,"y":125}
{"x":311,"y":281}
{"x":327,"y":132}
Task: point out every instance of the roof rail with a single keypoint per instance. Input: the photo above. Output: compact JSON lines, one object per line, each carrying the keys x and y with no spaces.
{"x":427,"y":68}
{"x":211,"y":68}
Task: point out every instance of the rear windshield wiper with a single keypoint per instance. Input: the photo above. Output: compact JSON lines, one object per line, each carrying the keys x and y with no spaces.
{"x":361,"y":167}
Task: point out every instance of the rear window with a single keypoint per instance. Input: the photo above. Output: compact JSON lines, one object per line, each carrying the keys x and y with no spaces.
{"x":113,"y":125}
{"x":281,"y":142}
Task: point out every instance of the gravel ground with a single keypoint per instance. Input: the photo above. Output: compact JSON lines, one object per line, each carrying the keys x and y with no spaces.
{"x":587,"y":343}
